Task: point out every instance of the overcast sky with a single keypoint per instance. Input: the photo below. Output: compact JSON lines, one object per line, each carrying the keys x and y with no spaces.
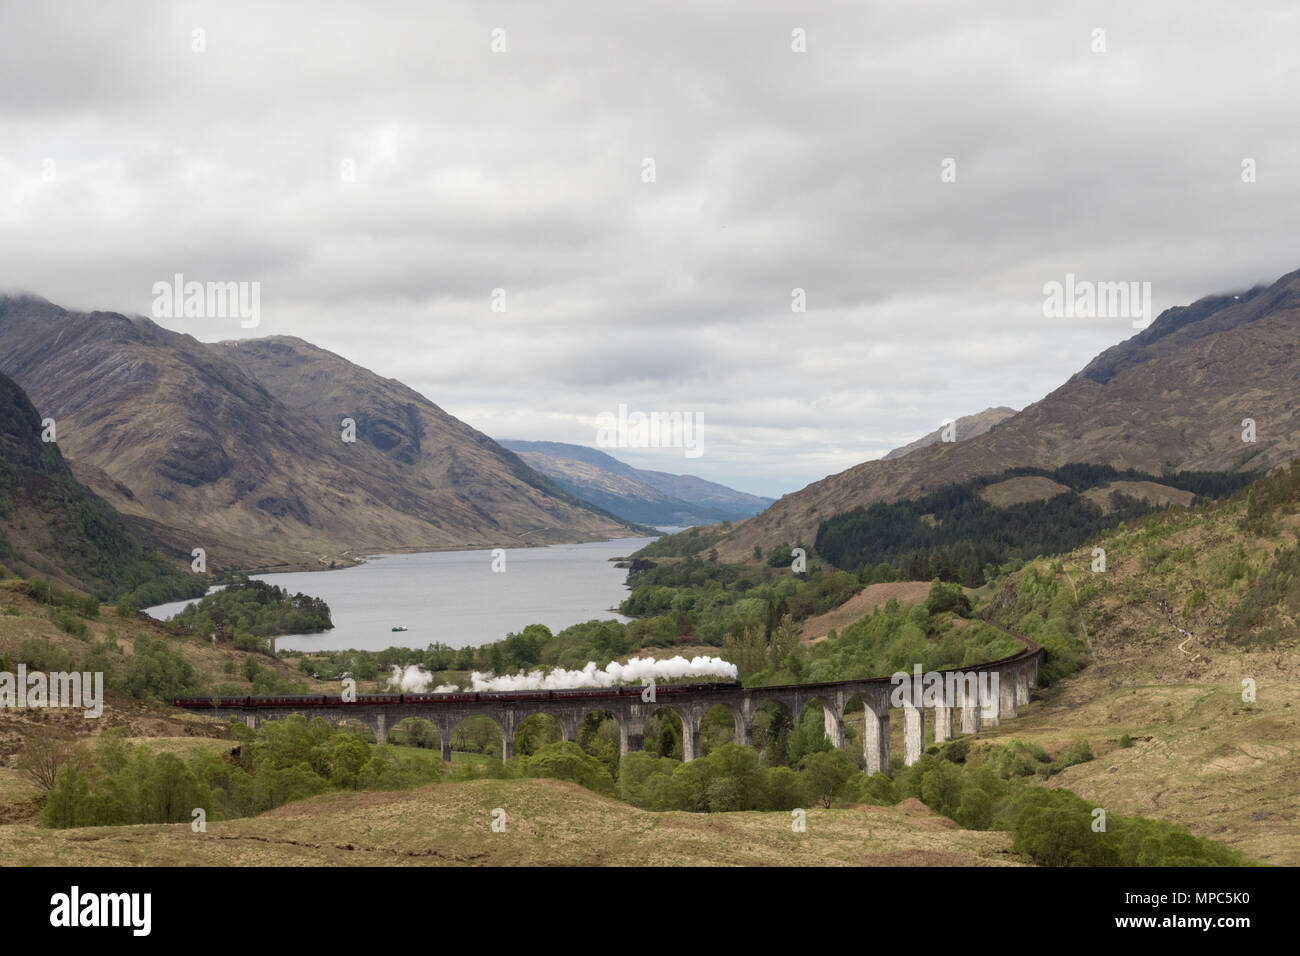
{"x":523,"y":170}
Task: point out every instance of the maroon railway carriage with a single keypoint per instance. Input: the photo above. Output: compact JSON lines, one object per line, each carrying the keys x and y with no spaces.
{"x":462,"y":697}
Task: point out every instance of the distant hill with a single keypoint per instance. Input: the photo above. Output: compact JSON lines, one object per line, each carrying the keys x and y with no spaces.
{"x":237,"y":447}
{"x":636,"y":494}
{"x":51,"y":526}
{"x":1172,"y":397}
{"x":968,"y":426}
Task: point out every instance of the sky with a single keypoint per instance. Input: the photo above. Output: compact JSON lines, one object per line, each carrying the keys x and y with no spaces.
{"x":458,"y":195}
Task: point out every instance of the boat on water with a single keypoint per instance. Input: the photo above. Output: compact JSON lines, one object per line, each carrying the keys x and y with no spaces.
{"x":400,"y":627}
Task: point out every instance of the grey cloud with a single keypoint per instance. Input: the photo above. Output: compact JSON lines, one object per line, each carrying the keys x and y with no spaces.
{"x":775,"y":170}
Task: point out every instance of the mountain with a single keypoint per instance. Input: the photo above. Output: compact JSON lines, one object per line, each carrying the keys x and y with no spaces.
{"x":412,"y":431}
{"x":1172,"y":397}
{"x":626,"y":497}
{"x":51,"y":525}
{"x":238,"y":448}
{"x":651,"y":497}
{"x":968,"y":426}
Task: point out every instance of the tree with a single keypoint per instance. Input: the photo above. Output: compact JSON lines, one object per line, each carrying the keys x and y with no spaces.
{"x":785,"y":638}
{"x":565,"y":760}
{"x":168,"y":792}
{"x":748,"y":651}
{"x":947,"y":597}
{"x":534,"y":733}
{"x":598,"y":735}
{"x":825,"y":772}
{"x":416,"y":732}
{"x":344,"y":755}
{"x":808,"y":734}
{"x":525,"y":648}
{"x":68,"y":799}
{"x":155,"y":670}
{"x":668,"y":742}
{"x":44,"y":753}
{"x":635,"y":771}
{"x":771,"y":732}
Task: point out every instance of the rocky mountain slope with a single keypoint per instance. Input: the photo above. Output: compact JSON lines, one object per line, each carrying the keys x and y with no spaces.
{"x":244,"y":455}
{"x":52,"y":526}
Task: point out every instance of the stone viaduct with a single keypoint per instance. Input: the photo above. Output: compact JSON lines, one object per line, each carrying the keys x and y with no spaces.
{"x":1015,"y":676}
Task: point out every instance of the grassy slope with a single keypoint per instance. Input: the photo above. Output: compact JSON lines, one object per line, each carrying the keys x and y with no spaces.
{"x":143,"y":718}
{"x":862,"y":604}
{"x":1201,"y":757}
{"x":548,"y":823}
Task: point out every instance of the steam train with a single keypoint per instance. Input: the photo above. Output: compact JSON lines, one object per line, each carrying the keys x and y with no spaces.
{"x":460,"y":697}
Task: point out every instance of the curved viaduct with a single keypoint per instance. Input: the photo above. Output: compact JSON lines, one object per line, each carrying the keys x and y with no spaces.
{"x":1016,"y":675}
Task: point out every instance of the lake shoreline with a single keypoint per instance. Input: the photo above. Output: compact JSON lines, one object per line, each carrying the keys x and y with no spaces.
{"x":461,"y":597}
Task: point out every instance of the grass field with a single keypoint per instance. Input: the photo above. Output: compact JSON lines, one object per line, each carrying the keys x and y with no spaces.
{"x":547,"y":823}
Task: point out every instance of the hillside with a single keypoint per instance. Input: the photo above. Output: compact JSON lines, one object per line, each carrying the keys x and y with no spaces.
{"x":637,"y":494}
{"x":548,"y":823}
{"x":1192,"y":603}
{"x":28,"y":634}
{"x":968,"y":426}
{"x":53,"y":526}
{"x":245,"y":458}
{"x":1172,"y":397}
{"x":965,"y":532}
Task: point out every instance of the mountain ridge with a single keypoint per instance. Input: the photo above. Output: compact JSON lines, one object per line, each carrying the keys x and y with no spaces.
{"x":654,"y":497}
{"x":968,"y":426}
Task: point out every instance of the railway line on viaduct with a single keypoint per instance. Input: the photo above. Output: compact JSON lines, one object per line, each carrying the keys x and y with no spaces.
{"x":970,"y":709}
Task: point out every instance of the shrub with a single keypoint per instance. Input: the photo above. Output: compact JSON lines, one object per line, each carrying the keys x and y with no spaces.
{"x":947,"y":597}
{"x":565,"y":760}
{"x":1016,"y":759}
{"x":68,"y":622}
{"x":825,"y":773}
{"x":43,"y":655}
{"x":1078,"y":752}
{"x":156,"y":671}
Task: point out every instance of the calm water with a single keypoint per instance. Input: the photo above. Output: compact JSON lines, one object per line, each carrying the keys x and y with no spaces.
{"x":455,"y":598}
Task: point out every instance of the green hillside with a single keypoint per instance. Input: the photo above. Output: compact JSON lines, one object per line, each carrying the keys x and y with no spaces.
{"x":52,"y":526}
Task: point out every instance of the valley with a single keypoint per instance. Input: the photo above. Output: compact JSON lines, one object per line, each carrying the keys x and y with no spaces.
{"x":674,"y":437}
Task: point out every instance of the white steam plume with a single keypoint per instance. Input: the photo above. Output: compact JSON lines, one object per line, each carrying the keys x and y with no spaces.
{"x":416,"y":680}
